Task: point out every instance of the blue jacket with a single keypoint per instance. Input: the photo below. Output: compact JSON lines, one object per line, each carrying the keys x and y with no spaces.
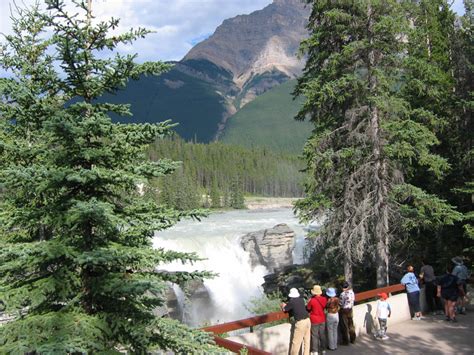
{"x":411,"y":282}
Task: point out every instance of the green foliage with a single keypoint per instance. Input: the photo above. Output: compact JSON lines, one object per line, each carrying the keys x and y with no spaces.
{"x":377,"y":89}
{"x":266,"y":123}
{"x":422,"y":210}
{"x":469,"y":215}
{"x":265,"y":303}
{"x":236,"y":194}
{"x":215,"y":195}
{"x":76,"y":265}
{"x":214,"y":167}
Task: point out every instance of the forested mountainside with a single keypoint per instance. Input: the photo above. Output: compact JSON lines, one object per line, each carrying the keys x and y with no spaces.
{"x":217,"y":168}
{"x":268,"y":122}
{"x":185,"y":99}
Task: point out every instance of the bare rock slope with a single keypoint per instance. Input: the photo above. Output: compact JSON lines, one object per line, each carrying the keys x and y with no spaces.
{"x":259,"y":49}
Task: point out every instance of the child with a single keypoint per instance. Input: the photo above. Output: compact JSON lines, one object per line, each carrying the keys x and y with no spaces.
{"x":383,"y":312}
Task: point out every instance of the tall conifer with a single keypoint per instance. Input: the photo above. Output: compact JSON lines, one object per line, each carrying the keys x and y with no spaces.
{"x":367,"y":137}
{"x":77,"y":270}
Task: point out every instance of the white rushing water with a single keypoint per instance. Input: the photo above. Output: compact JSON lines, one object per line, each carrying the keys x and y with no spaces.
{"x":216,"y":238}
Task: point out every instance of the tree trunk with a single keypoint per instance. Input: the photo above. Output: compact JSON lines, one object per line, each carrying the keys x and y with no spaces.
{"x":380,"y":168}
{"x":348,"y":270}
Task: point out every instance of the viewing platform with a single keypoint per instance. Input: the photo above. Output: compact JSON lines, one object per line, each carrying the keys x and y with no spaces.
{"x":431,"y":335}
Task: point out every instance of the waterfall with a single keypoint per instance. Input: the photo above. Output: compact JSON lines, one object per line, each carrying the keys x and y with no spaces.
{"x":216,"y":239}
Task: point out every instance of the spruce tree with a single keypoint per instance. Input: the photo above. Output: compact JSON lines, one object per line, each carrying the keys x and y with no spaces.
{"x":77,"y":270}
{"x":433,"y":86}
{"x":215,"y":195}
{"x":237,"y":200}
{"x":367,"y":137}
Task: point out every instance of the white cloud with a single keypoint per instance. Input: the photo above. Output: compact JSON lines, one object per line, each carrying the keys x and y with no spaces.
{"x":178,"y":24}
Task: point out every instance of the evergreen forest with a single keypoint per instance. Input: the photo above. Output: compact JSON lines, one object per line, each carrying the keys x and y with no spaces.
{"x":218,"y":175}
{"x":388,"y":87}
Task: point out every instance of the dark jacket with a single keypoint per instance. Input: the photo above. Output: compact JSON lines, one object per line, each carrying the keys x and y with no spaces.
{"x":297,"y":308}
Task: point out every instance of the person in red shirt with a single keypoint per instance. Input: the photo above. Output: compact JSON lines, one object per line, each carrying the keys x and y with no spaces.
{"x":315,"y":307}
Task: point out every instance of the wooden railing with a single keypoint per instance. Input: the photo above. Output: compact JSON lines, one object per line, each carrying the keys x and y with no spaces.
{"x":273,"y":317}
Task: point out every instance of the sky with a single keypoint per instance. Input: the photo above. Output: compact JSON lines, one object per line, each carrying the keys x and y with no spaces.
{"x":178,"y":24}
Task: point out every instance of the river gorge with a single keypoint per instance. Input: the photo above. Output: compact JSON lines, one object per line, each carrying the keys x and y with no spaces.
{"x":217,"y":239}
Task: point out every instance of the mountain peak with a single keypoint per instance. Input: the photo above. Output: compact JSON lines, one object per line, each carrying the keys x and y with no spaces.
{"x":265,"y":40}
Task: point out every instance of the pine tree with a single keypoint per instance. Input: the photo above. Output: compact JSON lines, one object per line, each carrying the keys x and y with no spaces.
{"x":236,"y":194}
{"x":462,"y":146}
{"x":366,"y":136}
{"x":76,"y":265}
{"x":215,"y":195}
{"x":432,"y":89}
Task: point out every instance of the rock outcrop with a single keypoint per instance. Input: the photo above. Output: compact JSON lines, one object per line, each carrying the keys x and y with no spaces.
{"x":283,"y":279}
{"x":266,"y":39}
{"x":258,"y":49}
{"x":271,"y":247}
{"x":175,"y":305}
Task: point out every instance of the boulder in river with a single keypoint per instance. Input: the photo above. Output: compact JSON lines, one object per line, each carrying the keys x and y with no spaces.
{"x":270,"y":247}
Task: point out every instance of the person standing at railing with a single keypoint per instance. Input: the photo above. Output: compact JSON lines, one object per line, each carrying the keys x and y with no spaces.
{"x":429,"y":279}
{"x":302,"y":325}
{"x":413,"y":292}
{"x":316,"y":306}
{"x":346,"y":320}
{"x":332,"y":318}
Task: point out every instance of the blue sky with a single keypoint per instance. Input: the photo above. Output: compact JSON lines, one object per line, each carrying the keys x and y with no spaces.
{"x":178,"y":24}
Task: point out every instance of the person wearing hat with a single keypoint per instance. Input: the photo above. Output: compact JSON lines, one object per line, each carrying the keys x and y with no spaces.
{"x":346,"y":321}
{"x":384,"y":312}
{"x":332,"y":317}
{"x":316,"y":306}
{"x":302,"y":324}
{"x":462,"y":273}
{"x":413,"y":292}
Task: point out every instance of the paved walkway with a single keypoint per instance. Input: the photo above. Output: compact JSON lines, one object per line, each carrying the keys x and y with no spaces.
{"x":432,"y":335}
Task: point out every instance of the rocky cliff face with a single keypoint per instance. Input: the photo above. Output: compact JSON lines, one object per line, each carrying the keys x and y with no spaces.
{"x":259,"y":49}
{"x":271,"y":247}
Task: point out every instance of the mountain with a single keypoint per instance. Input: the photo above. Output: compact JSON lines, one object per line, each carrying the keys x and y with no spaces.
{"x":259,"y":49}
{"x":246,"y":56}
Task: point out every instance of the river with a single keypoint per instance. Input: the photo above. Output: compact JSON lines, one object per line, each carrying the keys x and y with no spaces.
{"x":216,"y":238}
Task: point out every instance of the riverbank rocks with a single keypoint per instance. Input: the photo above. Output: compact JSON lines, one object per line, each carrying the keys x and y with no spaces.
{"x":270,"y":247}
{"x":283,"y":279}
{"x":177,"y":300}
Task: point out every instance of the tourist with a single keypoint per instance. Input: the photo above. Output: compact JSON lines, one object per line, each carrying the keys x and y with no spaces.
{"x":384,"y":312}
{"x":316,"y":306}
{"x":413,"y":292}
{"x":302,"y":324}
{"x":449,"y":289}
{"x":332,"y":317}
{"x":462,"y":273}
{"x":346,"y":321}
{"x":429,"y":279}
